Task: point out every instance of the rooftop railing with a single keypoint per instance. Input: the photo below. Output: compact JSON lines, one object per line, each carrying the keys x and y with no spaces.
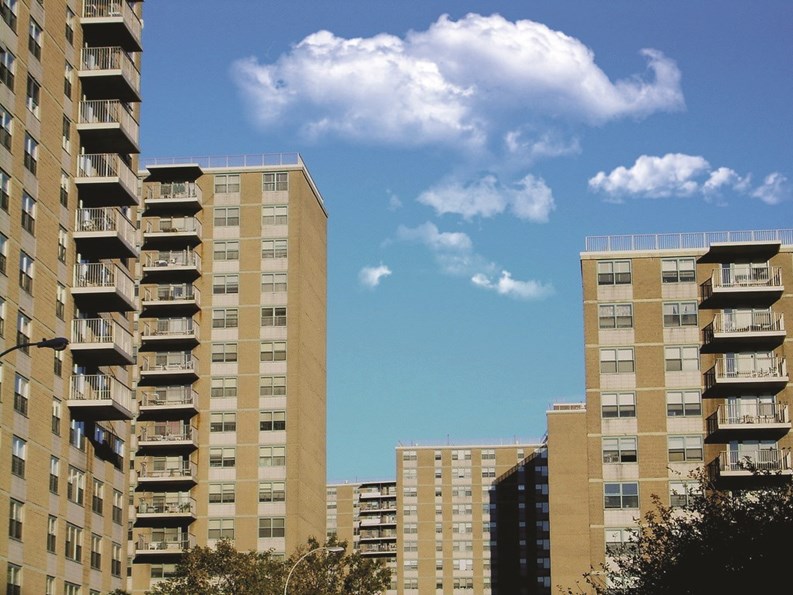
{"x":683,"y":241}
{"x":261,"y":160}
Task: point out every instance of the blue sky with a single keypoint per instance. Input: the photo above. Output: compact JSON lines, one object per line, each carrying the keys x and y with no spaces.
{"x":464,"y":151}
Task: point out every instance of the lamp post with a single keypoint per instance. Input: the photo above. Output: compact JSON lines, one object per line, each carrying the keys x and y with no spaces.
{"x":56,"y":344}
{"x":333,"y":549}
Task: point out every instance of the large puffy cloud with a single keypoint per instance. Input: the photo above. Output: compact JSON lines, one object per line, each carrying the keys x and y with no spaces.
{"x":680,"y":175}
{"x":452,"y":83}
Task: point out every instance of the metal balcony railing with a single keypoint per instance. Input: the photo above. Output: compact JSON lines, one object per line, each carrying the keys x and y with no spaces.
{"x":101,"y":330}
{"x":104,"y":9}
{"x":109,"y":111}
{"x":174,"y":225}
{"x":147,"y":469}
{"x":171,"y":362}
{"x":747,"y":366}
{"x":107,"y":165}
{"x":172,"y":293}
{"x":171,"y":432}
{"x":103,"y":275}
{"x":100,"y":387}
{"x":772,"y":459}
{"x":98,"y":59}
{"x":169,"y":395}
{"x":173,"y":258}
{"x":104,"y":219}
{"x":173,"y":191}
{"x":171,"y":504}
{"x":170,"y":327}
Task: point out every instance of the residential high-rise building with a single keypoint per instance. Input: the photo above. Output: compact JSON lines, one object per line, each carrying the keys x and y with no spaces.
{"x":231,"y":429}
{"x":685,"y":340}
{"x":69,"y":105}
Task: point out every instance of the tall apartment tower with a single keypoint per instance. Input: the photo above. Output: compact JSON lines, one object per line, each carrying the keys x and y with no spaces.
{"x":685,"y":343}
{"x":69,"y":93}
{"x":230,"y":438}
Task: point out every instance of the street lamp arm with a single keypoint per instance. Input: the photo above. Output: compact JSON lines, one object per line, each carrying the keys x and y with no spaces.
{"x":56,"y":344}
{"x":331,"y":549}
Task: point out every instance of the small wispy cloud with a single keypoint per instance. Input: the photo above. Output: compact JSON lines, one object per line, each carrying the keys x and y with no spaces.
{"x":371,"y":276}
{"x":506,"y":285}
{"x":394,"y":202}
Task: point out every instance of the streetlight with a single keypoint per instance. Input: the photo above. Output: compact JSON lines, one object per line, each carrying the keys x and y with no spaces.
{"x":56,"y":344}
{"x":333,"y":549}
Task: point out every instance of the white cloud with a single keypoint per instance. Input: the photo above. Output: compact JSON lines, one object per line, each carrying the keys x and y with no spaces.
{"x":457,"y":83}
{"x":528,"y":199}
{"x":429,"y":235}
{"x":506,"y":285}
{"x":371,"y":276}
{"x":775,"y":189}
{"x":394,"y":203}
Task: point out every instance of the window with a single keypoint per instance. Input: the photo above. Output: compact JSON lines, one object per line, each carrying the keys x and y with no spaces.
{"x":680,"y":314}
{"x":227,"y":216}
{"x":55,"y":473}
{"x":617,"y":540}
{"x":21,"y":394}
{"x":7,"y":67}
{"x":64,"y":192}
{"x":26,"y":272}
{"x":272,"y":456}
{"x":273,"y":248}
{"x":223,"y":386}
{"x":34,"y":39}
{"x":8,"y":10}
{"x":75,"y":486}
{"x":221,"y":493}
{"x":272,"y":282}
{"x":271,"y":527}
{"x":2,"y":317}
{"x":68,"y":79}
{"x":74,"y":543}
{"x":117,"y":512}
{"x":52,"y":533}
{"x":272,"y":491}
{"x":225,"y":284}
{"x":13,"y":579}
{"x":224,"y":352}
{"x":63,"y":239}
{"x":678,"y":270}
{"x":18,"y":454}
{"x":614,"y":272}
{"x":681,"y":358}
{"x":685,"y":448}
{"x":225,"y":318}
{"x":275,"y":181}
{"x":682,"y":494}
{"x":96,"y":551}
{"x":488,"y":472}
{"x":60,"y":302}
{"x":57,"y":363}
{"x":115,"y":560}
{"x":226,"y":184}
{"x":98,"y":497}
{"x":274,"y":214}
{"x":683,"y":402}
{"x":33,"y":96}
{"x":28,"y":213}
{"x":70,"y":18}
{"x":273,"y":316}
{"x":272,"y":386}
{"x":619,"y":449}
{"x":23,"y":331}
{"x":273,"y":351}
{"x":31,"y":153}
{"x":223,"y":421}
{"x":56,"y":416}
{"x":15,"y":519}
{"x":618,"y":405}
{"x":77,"y":434}
{"x":621,"y":495}
{"x":615,"y":316}
{"x":222,"y":457}
{"x":226,"y":250}
{"x":220,"y":528}
{"x":272,"y":421}
{"x":3,"y":250}
{"x":72,"y":588}
{"x":66,"y":135}
{"x":617,"y":361}
{"x":6,"y":134}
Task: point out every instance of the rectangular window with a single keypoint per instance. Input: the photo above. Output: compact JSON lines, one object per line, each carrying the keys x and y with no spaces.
{"x":679,"y":359}
{"x":7,"y":68}
{"x":274,"y":248}
{"x":680,"y":314}
{"x":272,"y":527}
{"x":222,"y":457}
{"x":74,"y":543}
{"x":222,"y":421}
{"x":227,"y":184}
{"x":227,"y":216}
{"x":3,"y":253}
{"x":72,"y":588}
{"x":617,"y":361}
{"x":683,"y":403}
{"x":18,"y":455}
{"x":64,"y":191}
{"x":66,"y":135}
{"x":221,"y":493}
{"x":21,"y":394}
{"x":75,"y":486}
{"x":224,"y":352}
{"x":620,"y":449}
{"x":52,"y":533}
{"x":115,"y":560}
{"x":13,"y":580}
{"x":618,"y":405}
{"x":33,"y":96}
{"x":272,"y":456}
{"x":57,"y":363}
{"x":96,"y":551}
{"x":63,"y":242}
{"x":272,"y":491}
{"x":272,"y":421}
{"x":225,"y":318}
{"x":23,"y":331}
{"x":614,"y":272}
{"x":70,"y":19}
{"x":226,"y":250}
{"x":615,"y":316}
{"x":117,"y":512}
{"x":272,"y":386}
{"x":6,"y":134}
{"x":15,"y":519}
{"x":223,"y":387}
{"x":8,"y":11}
{"x":60,"y":302}
{"x":26,"y":272}
{"x":2,"y":317}
{"x":68,"y":79}
{"x":278,"y":180}
{"x":274,"y":214}
{"x":55,"y":473}
{"x":682,"y":494}
{"x":678,"y":270}
{"x":617,"y":540}
{"x":225,"y":284}
{"x":621,"y":495}
{"x":98,"y":497}
{"x":272,"y":282}
{"x":273,"y":351}
{"x":274,"y":316}
{"x":220,"y":528}
{"x":685,"y":448}
{"x":77,"y":434}
{"x":31,"y":157}
{"x":34,"y":39}
{"x":28,"y":216}
{"x":55,"y":421}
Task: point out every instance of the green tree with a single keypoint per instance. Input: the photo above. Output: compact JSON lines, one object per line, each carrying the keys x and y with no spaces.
{"x":720,"y":541}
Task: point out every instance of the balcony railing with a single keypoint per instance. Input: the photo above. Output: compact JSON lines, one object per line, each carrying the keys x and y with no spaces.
{"x":177,"y":504}
{"x":94,"y":333}
{"x":747,"y":367}
{"x":751,"y":328}
{"x":169,"y":362}
{"x":106,"y":174}
{"x":167,"y":432}
{"x":164,"y":545}
{"x":748,"y":420}
{"x":111,"y":61}
{"x":756,"y":276}
{"x":173,"y":259}
{"x":182,"y":292}
{"x":104,"y":220}
{"x":148,"y":470}
{"x":169,"y":396}
{"x":173,"y":191}
{"x":175,"y":225}
{"x":105,"y":10}
{"x":747,"y":463}
{"x":99,"y":279}
{"x":170,"y":327}
{"x":108,"y":114}
{"x":92,"y":391}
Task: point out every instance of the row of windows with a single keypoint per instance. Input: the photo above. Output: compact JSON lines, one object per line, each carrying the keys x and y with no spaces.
{"x":230,"y":216}
{"x":678,"y":403}
{"x":620,"y":316}
{"x":223,"y":528}
{"x":226,"y":386}
{"x":226,"y":456}
{"x":271,"y":181}
{"x":226,"y":421}
{"x":673,"y":270}
{"x":229,"y":317}
{"x":621,"y":360}
{"x":270,"y":351}
{"x":626,"y":495}
{"x":623,"y":449}
{"x":230,"y":283}
{"x":225,"y":493}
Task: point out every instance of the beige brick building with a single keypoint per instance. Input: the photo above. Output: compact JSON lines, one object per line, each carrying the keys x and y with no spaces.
{"x":685,"y":343}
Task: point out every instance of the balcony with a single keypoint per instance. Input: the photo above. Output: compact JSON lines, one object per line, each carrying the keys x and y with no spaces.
{"x":99,"y":397}
{"x":101,"y":341}
{"x":111,"y":21}
{"x":746,"y":373}
{"x":109,"y":73}
{"x":168,"y":403}
{"x":168,"y":334}
{"x":748,"y":421}
{"x":759,"y":285}
{"x":165,"y":510}
{"x":167,"y":300}
{"x":161,"y":474}
{"x":377,"y":521}
{"x":172,"y":232}
{"x":377,"y":549}
{"x":182,"y":265}
{"x":108,"y":126}
{"x":103,"y":287}
{"x":179,"y":367}
{"x":758,"y":245}
{"x":162,"y":548}
{"x":748,"y":330}
{"x":172,"y":197}
{"x":104,"y":179}
{"x":167,"y":438}
{"x":737,"y":464}
{"x":104,"y":232}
